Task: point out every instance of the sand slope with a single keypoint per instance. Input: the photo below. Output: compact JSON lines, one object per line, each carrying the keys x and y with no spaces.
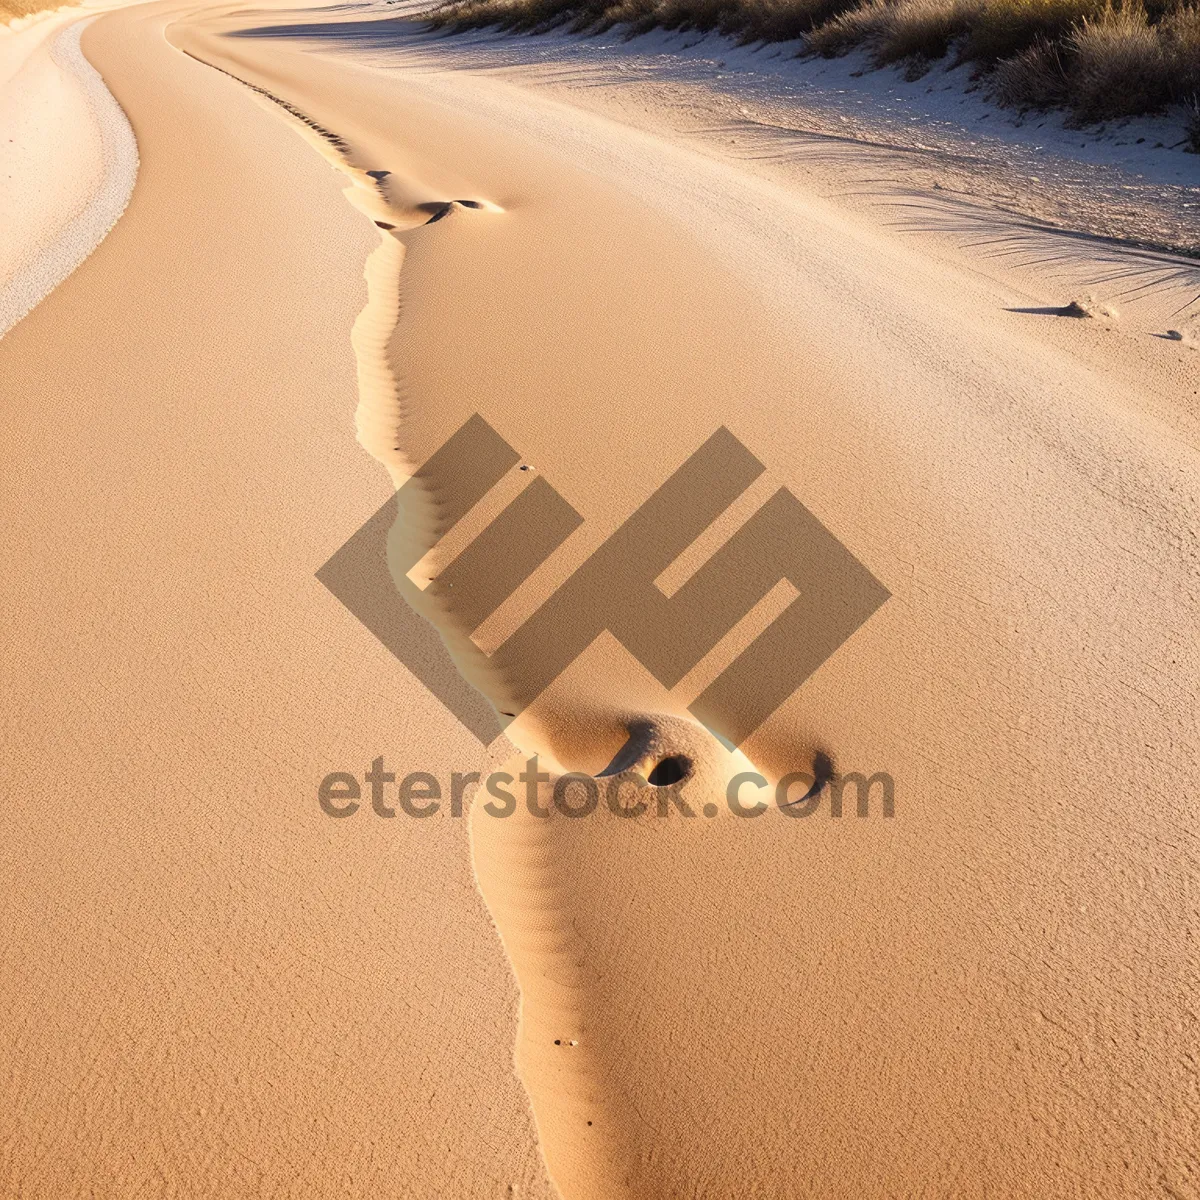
{"x":212,"y":989}
{"x":990,"y":993}
{"x":70,"y":160}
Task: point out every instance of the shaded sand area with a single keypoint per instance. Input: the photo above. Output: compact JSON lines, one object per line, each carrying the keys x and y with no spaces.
{"x":216,"y":989}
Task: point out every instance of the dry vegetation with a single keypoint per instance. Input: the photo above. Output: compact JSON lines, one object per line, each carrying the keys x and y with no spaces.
{"x":22,"y":8}
{"x":1096,"y":58}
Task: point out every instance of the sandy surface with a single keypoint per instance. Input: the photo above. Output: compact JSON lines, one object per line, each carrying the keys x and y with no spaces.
{"x":211,"y":987}
{"x":69,"y":163}
{"x":219,"y":990}
{"x":895,"y":137}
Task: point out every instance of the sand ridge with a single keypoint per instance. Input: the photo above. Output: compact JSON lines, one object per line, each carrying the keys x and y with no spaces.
{"x":224,"y":962}
{"x":913,"y":373}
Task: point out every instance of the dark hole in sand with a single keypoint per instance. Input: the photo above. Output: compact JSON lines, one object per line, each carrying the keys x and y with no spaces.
{"x":441,"y":210}
{"x":673,"y":769}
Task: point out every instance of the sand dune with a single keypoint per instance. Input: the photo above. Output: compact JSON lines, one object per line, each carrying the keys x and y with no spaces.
{"x":218,"y":989}
{"x":201,"y":968}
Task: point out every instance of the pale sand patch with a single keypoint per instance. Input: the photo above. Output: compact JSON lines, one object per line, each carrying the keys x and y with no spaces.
{"x":70,"y":160}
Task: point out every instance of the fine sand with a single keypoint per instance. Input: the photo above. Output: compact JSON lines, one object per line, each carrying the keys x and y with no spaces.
{"x":213,"y":988}
{"x":69,"y":159}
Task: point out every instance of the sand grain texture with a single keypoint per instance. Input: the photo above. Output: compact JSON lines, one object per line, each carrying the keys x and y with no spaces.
{"x":69,"y":155}
{"x":992,"y":992}
{"x":201,"y":968}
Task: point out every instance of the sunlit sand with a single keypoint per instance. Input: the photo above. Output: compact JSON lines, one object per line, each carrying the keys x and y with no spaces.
{"x":337,"y":242}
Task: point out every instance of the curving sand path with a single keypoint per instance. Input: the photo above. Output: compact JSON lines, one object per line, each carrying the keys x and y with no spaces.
{"x":203,"y":972}
{"x":70,"y":159}
{"x":214,"y":989}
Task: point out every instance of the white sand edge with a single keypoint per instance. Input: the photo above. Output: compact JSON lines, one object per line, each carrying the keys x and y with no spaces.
{"x":81,"y":235}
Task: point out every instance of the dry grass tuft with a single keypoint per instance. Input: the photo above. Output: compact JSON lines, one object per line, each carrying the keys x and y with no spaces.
{"x":1120,"y":63}
{"x":1035,"y":78}
{"x":913,"y":31}
{"x":747,"y":20}
{"x":1006,"y":28}
{"x":22,"y":8}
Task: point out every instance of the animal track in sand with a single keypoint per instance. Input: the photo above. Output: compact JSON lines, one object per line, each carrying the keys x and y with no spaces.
{"x":822,"y":771}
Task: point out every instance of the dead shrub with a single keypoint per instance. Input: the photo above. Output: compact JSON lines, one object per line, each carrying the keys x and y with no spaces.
{"x":849,"y":30}
{"x":920,"y":31}
{"x":1005,"y":28}
{"x":1035,"y":78}
{"x":1118,"y":67}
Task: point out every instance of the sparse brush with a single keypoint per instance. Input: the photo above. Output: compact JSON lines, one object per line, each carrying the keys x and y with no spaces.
{"x":1118,"y":66}
{"x":1005,"y":28}
{"x":1179,"y":31}
{"x":912,"y":31}
{"x":781,"y":20}
{"x":1098,"y":58}
{"x":919,"y":31}
{"x":1035,"y":78}
{"x":1191,"y":125}
{"x":986,"y":31}
{"x":861,"y":26}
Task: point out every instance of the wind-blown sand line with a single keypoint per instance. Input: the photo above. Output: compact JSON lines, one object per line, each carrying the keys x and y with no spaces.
{"x":382,"y":406}
{"x":184,"y":397}
{"x":381,"y":409}
{"x":521,"y":867}
{"x":514,"y":868}
{"x":519,"y":870}
{"x":887,"y":998}
{"x":580,"y":1110}
{"x":991,"y":993}
{"x":591,"y":1133}
{"x":84,"y":232}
